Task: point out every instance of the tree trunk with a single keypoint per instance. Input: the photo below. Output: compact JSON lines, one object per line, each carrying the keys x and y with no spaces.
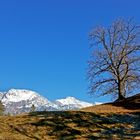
{"x":121,"y":92}
{"x":121,"y":97}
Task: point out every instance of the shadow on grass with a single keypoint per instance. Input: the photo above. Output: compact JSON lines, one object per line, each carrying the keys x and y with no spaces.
{"x":72,"y":125}
{"x":131,"y":103}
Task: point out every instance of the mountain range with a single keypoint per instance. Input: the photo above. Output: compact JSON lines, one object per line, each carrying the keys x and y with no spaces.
{"x":17,"y":101}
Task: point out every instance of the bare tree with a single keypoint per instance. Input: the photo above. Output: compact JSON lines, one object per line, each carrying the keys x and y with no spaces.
{"x":114,"y":67}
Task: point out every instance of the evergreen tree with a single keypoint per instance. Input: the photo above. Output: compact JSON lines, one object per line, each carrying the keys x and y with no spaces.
{"x":33,"y":108}
{"x":2,"y":109}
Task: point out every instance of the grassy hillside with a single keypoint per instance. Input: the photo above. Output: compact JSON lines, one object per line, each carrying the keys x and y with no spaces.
{"x":88,"y":124}
{"x":131,"y":104}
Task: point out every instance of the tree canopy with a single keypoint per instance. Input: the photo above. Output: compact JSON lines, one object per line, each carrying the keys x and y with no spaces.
{"x":114,"y":66}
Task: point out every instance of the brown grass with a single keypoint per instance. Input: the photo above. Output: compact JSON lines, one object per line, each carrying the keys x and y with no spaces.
{"x":129,"y":105}
{"x":103,"y":122}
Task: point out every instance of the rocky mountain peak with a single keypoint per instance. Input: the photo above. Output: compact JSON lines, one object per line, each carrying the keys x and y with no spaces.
{"x":21,"y":100}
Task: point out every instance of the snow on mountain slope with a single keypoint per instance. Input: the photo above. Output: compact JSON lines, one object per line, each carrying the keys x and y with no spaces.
{"x":1,"y":95}
{"x":16,"y":95}
{"x":98,"y":103}
{"x":17,"y":101}
{"x":20,"y":100}
{"x":71,"y":101}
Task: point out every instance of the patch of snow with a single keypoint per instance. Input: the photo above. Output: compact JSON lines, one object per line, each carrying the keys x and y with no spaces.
{"x":20,"y":100}
{"x":17,"y":95}
{"x":98,"y":103}
{"x":73,"y":101}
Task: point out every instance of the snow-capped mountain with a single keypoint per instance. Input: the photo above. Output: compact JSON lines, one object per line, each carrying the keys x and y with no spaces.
{"x":1,"y":95}
{"x":17,"y":101}
{"x":71,"y":103}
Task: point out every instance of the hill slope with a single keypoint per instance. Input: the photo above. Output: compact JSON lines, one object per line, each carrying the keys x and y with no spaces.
{"x":131,"y":104}
{"x":123,"y":123}
{"x":70,"y":125}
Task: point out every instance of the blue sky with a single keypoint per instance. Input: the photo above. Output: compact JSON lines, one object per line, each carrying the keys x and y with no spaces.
{"x":44,"y":44}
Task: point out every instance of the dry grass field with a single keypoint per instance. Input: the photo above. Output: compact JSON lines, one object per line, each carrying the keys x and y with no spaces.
{"x":117,"y":121}
{"x":131,"y":104}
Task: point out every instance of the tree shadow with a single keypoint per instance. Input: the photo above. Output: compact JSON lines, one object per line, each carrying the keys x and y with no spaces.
{"x":71,"y":125}
{"x":131,"y":103}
